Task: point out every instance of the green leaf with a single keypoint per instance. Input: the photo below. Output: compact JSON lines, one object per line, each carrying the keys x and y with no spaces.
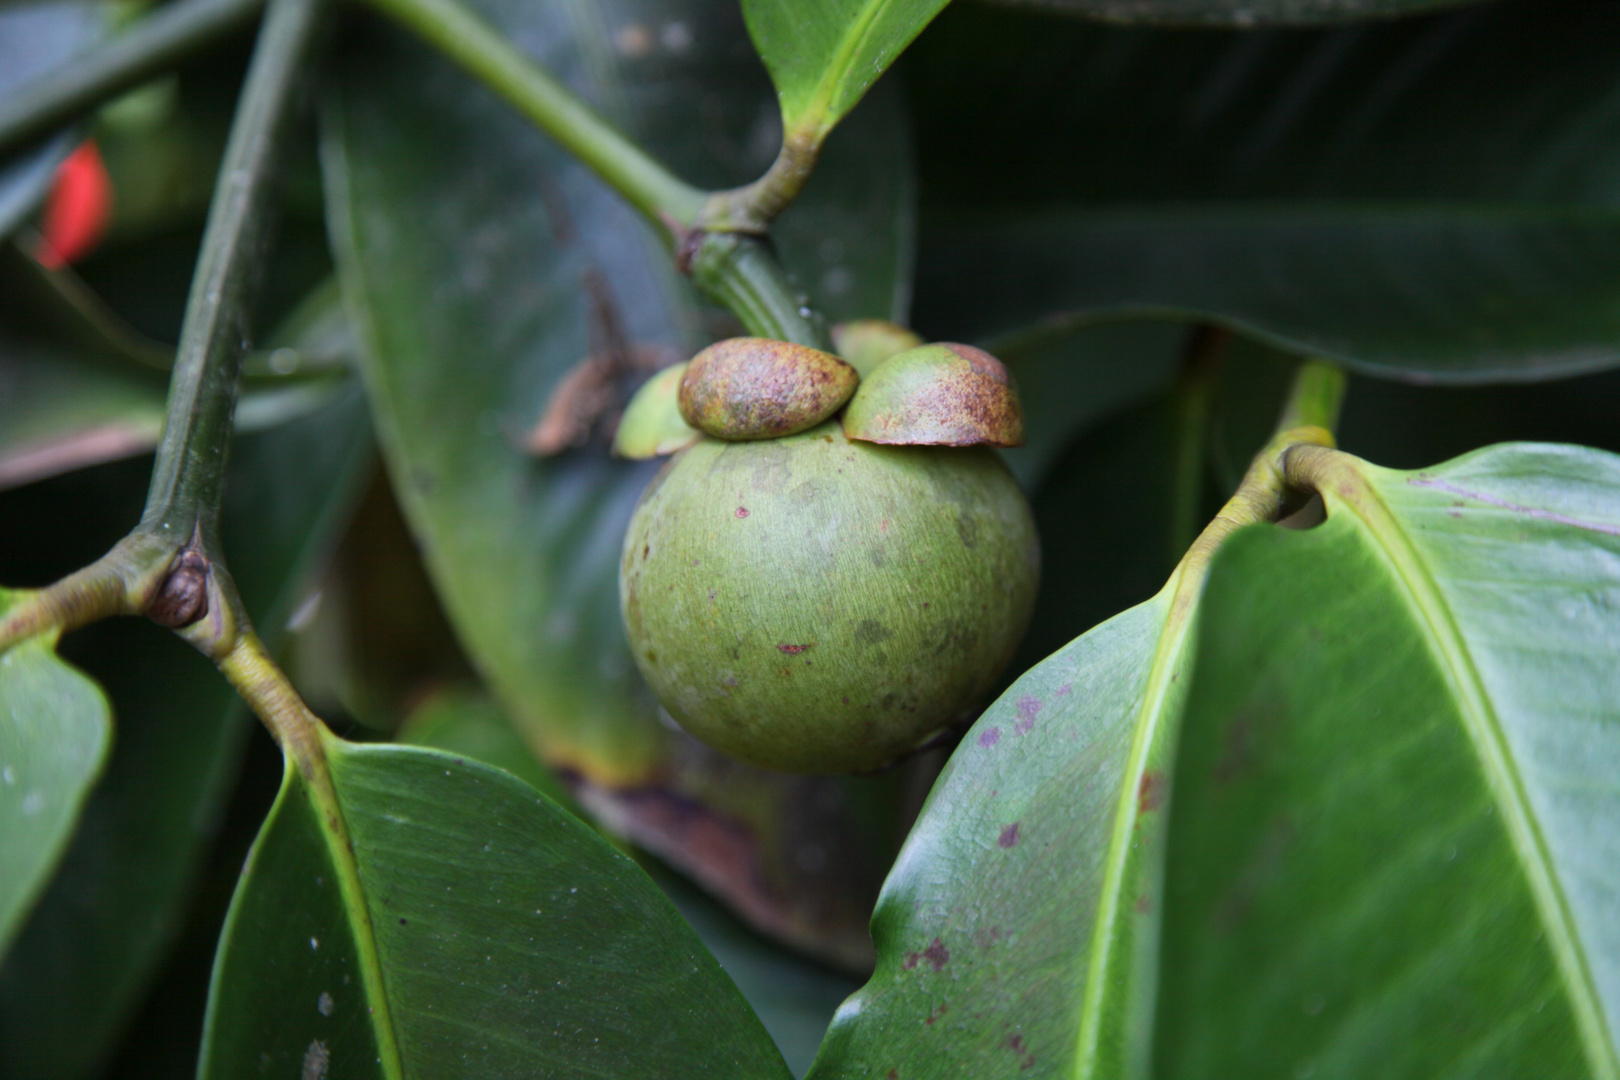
{"x":1424,"y":198}
{"x":469,"y":327}
{"x":824,"y":56}
{"x":1016,"y":931}
{"x":55,"y":729}
{"x":1240,"y":13}
{"x":74,"y":976}
{"x":479,"y":931}
{"x":1393,"y":847}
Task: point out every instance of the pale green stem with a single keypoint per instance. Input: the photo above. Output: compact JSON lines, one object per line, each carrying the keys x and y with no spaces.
{"x":1315,"y":397}
{"x":458,"y":32}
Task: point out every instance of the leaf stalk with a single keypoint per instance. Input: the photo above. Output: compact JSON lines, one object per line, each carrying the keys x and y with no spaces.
{"x":455,"y":30}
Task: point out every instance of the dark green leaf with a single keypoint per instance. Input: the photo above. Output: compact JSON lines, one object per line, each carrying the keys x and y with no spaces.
{"x":1396,"y":811}
{"x":74,"y":975}
{"x":1244,"y":13}
{"x":480,"y":931}
{"x":793,"y":998}
{"x":1428,"y":198}
{"x":824,"y":57}
{"x":474,"y":313}
{"x":55,"y":728}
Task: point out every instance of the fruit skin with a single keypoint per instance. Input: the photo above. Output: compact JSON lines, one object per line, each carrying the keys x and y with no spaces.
{"x":812,"y":604}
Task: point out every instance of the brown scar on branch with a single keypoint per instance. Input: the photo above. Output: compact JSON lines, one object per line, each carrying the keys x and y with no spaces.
{"x":587,"y":401}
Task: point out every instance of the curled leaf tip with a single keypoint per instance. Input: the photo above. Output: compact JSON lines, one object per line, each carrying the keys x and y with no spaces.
{"x":756,"y":388}
{"x":943,"y":394}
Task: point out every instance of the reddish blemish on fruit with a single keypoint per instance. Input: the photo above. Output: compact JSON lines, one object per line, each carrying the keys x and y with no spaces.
{"x":792,"y":650}
{"x":742,"y":511}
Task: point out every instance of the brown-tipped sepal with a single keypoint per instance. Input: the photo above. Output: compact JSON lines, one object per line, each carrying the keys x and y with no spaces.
{"x":652,"y":424}
{"x":866,"y":343}
{"x":937,"y":395}
{"x":756,"y":388}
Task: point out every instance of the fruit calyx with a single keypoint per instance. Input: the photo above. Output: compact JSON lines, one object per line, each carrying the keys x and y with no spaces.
{"x":942,"y":394}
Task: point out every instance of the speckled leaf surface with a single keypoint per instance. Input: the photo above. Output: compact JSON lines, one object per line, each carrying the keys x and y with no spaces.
{"x":1427,"y":198}
{"x":1015,"y":933}
{"x":482,"y":932}
{"x":1393,"y":847}
{"x":55,"y":730}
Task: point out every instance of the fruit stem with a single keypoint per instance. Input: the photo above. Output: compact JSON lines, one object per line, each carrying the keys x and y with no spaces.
{"x":151,"y":46}
{"x":455,"y":30}
{"x":1201,"y":361}
{"x":740,"y":272}
{"x":1315,"y":397}
{"x":752,"y":207}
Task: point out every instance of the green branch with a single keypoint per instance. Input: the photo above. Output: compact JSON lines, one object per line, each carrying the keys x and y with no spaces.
{"x":169,"y":567}
{"x":1315,"y":397}
{"x":458,"y":32}
{"x":187,"y":477}
{"x":698,"y":226}
{"x":150,"y":47}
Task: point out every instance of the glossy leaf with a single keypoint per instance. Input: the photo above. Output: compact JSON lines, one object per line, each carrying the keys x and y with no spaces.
{"x":468,"y":329}
{"x":1396,"y":806}
{"x":480,"y":931}
{"x":823,"y":57}
{"x":1241,"y":13}
{"x":73,"y":977}
{"x":1426,"y":198}
{"x":55,"y":729}
{"x":33,"y":39}
{"x":1016,"y":932}
{"x":793,"y":998}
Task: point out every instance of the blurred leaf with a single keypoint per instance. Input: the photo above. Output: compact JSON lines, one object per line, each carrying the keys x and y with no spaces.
{"x":75,"y":974}
{"x":1396,"y":825}
{"x":1243,"y":13}
{"x":471,"y":315}
{"x":793,"y":998}
{"x":1429,"y":198}
{"x":1069,"y":380}
{"x":824,"y":57}
{"x":33,"y":39}
{"x":55,"y":728}
{"x":512,"y":940}
{"x":79,"y":387}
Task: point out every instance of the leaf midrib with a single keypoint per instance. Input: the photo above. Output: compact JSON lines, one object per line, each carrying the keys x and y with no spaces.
{"x":1346,"y":485}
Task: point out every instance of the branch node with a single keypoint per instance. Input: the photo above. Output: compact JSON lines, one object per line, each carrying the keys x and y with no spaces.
{"x":182,"y":598}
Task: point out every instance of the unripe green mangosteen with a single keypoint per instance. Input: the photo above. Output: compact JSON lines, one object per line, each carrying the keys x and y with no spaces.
{"x":816,"y":604}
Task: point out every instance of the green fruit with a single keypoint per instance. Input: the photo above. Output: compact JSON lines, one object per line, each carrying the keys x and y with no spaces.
{"x":813,"y":604}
